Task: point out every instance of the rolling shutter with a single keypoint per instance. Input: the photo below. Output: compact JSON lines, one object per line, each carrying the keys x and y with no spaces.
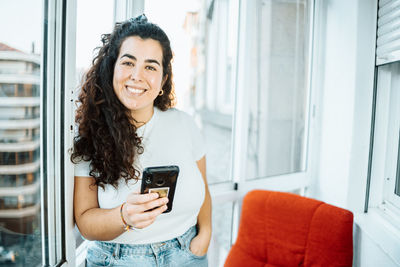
{"x":388,"y":42}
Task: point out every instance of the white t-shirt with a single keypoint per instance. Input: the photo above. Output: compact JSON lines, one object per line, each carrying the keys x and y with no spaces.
{"x":170,"y":138}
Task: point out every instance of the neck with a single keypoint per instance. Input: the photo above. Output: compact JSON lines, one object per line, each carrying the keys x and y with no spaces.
{"x":142,"y":116}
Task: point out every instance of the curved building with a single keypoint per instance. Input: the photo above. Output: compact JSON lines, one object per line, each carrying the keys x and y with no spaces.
{"x":19,"y":140}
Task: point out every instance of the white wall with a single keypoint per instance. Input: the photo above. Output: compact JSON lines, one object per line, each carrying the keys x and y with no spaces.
{"x":336,"y":103}
{"x":369,"y":253}
{"x":346,"y":54}
{"x":345,"y":43}
{"x":343,"y":83}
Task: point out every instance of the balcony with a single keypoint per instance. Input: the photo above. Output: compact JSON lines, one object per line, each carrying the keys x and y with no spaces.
{"x":21,"y":190}
{"x":20,"y":169}
{"x":18,"y":56}
{"x":20,"y":147}
{"x":19,"y":101}
{"x":20,"y":79}
{"x":20,"y":213}
{"x":20,"y":124}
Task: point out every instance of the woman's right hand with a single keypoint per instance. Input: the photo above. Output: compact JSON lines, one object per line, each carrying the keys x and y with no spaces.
{"x":141,"y":210}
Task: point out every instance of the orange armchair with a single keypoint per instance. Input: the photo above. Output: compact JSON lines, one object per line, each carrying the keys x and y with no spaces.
{"x":284,"y":229}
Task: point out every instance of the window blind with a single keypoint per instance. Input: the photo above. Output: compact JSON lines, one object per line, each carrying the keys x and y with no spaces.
{"x":388,"y":42}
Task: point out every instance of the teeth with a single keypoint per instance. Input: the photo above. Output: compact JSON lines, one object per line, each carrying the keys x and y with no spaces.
{"x":135,"y":91}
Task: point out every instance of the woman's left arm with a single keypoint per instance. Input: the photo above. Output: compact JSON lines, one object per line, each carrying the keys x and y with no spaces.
{"x":200,"y":243}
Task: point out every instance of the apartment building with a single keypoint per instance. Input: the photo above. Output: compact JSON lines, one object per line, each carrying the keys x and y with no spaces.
{"x":19,"y":140}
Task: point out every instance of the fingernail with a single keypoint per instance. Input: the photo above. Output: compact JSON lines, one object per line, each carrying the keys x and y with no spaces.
{"x":166,"y":200}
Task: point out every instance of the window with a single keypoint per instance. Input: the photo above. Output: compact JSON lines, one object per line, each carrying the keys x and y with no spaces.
{"x":278,"y":90}
{"x":250,"y":92}
{"x":20,"y":204}
{"x":385,"y":165}
{"x":204,"y":41}
{"x":88,"y":37}
{"x":33,"y":213}
{"x":387,"y":131}
{"x":17,"y":180}
{"x":215,"y":39}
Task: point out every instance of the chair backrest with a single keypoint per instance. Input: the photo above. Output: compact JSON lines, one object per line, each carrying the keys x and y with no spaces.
{"x":284,"y":229}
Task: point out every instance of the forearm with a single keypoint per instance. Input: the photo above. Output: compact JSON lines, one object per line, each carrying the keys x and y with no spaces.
{"x":100,"y":224}
{"x":204,"y":217}
{"x":199,"y":244}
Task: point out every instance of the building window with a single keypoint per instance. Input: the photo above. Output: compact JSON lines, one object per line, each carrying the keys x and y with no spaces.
{"x":15,"y":158}
{"x":18,"y":180}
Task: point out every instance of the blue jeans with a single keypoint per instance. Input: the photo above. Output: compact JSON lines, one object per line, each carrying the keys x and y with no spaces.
{"x":171,"y":253}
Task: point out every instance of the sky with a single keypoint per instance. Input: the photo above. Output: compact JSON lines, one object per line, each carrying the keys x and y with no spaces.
{"x":21,"y":24}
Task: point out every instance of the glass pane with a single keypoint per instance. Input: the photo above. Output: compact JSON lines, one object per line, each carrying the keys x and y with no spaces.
{"x":88,"y":37}
{"x":20,"y":57}
{"x":222,"y":234}
{"x":214,"y":84}
{"x":387,"y":131}
{"x":392,"y":166}
{"x":278,"y":104}
{"x":203,"y":36}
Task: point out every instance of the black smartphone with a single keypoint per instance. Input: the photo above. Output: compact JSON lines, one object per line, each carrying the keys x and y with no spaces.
{"x":161,"y":180}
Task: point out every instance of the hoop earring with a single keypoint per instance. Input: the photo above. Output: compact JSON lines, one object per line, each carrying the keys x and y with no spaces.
{"x":161,"y":92}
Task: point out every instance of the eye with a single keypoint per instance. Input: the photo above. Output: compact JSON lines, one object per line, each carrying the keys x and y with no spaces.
{"x":151,"y":68}
{"x":128,"y":63}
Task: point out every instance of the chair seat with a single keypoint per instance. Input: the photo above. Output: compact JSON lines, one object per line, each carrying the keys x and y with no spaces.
{"x":284,"y":229}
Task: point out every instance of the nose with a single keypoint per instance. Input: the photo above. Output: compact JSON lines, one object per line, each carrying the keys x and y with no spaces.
{"x":136,"y":74}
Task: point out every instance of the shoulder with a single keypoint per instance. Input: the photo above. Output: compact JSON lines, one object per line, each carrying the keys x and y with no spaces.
{"x":174,"y":114}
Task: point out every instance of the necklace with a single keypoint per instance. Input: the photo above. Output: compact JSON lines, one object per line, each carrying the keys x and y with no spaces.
{"x":145,"y":123}
{"x":144,"y":130}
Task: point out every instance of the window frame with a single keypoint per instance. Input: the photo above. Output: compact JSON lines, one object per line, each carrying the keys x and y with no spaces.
{"x":57,"y":80}
{"x":384,"y":160}
{"x":239,"y":185}
{"x":381,"y":218}
{"x":392,"y":157}
{"x":69,"y":121}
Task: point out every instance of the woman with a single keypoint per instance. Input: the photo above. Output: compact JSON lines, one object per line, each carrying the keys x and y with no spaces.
{"x":127,"y":123}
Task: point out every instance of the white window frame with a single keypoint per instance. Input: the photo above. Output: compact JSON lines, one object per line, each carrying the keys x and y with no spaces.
{"x":381,"y":220}
{"x":288,"y":182}
{"x":69,"y":121}
{"x":392,"y":145}
{"x":56,"y":65}
{"x":385,"y":151}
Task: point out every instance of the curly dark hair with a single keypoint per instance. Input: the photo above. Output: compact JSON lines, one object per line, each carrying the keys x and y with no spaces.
{"x":107,"y":138}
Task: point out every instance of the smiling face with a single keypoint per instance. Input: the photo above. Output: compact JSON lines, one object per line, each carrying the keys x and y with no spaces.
{"x":138,"y":75}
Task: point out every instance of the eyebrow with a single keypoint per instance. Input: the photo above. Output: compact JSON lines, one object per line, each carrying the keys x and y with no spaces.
{"x":147,"y":60}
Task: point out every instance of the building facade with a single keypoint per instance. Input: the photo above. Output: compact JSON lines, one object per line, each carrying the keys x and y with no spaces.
{"x":19,"y":141}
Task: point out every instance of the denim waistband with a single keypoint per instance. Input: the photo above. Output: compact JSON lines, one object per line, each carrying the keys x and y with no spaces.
{"x":146,"y":249}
